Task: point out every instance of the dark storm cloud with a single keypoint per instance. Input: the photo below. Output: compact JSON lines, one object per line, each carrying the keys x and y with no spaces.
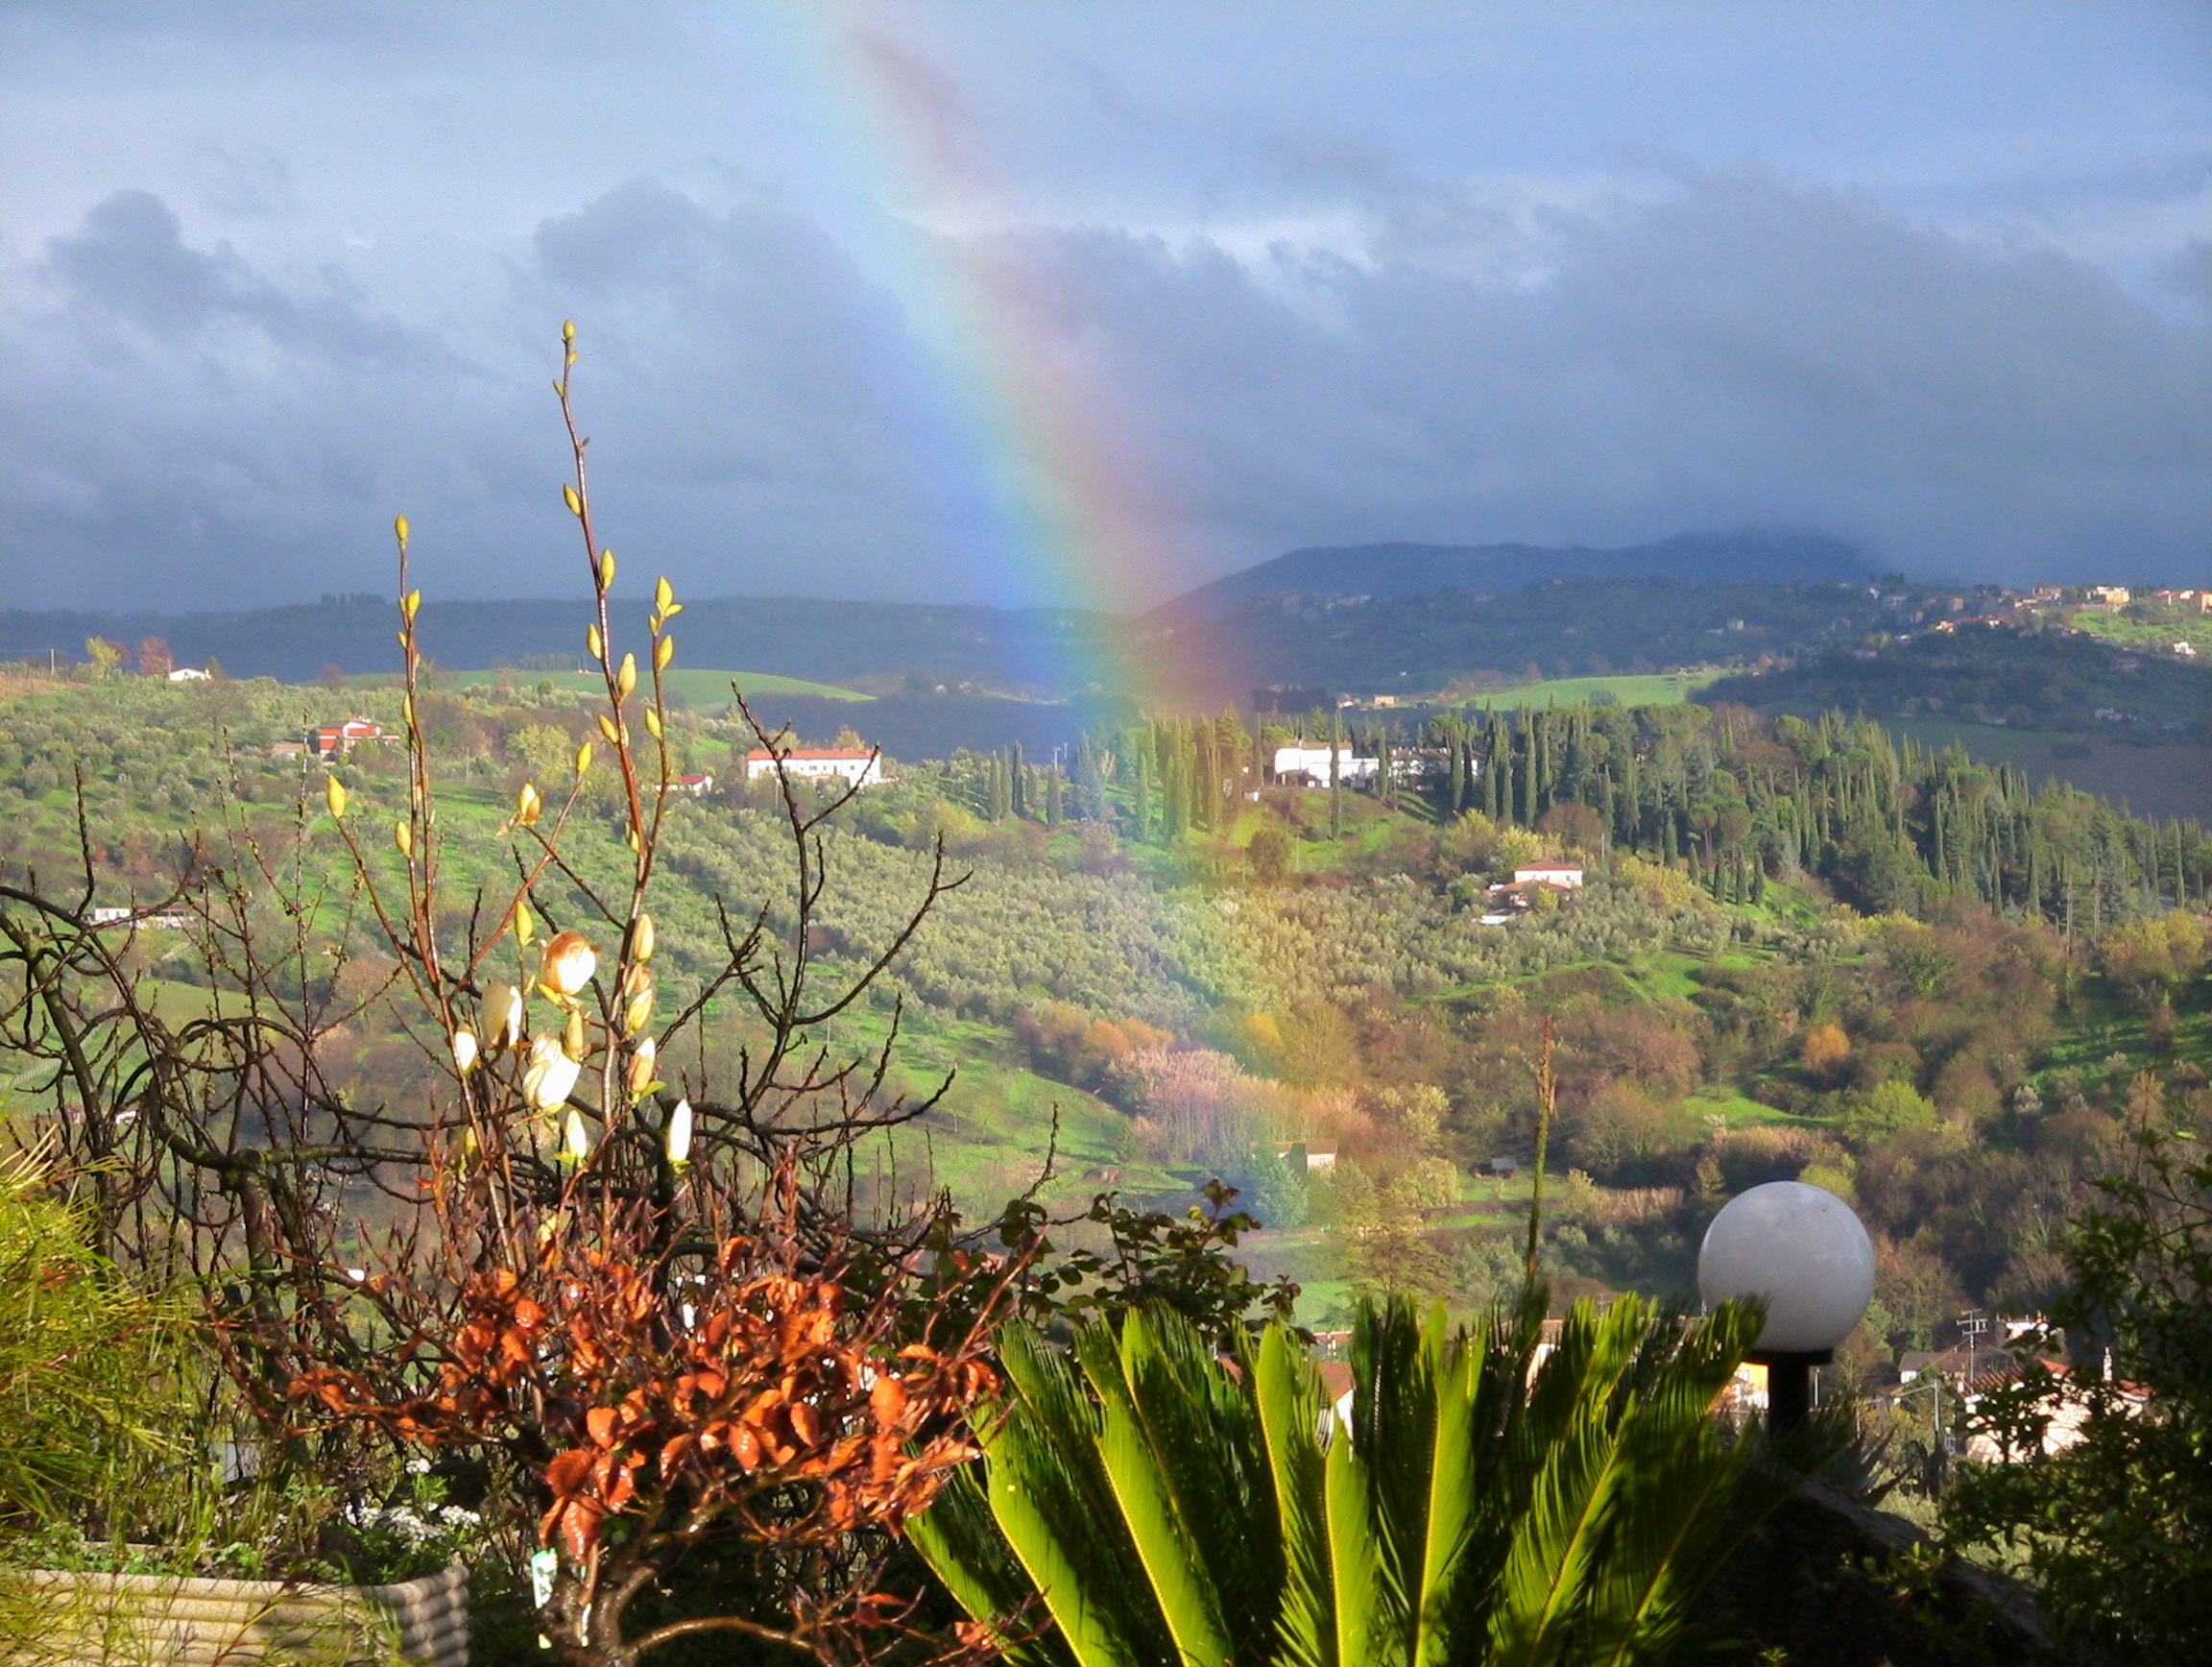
{"x":187,"y":430}
{"x":175,"y":410}
{"x":1742,"y":349}
{"x":130,"y":262}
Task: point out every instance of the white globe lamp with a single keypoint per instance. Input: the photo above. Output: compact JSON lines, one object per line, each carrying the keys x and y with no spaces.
{"x":1805,"y":1252}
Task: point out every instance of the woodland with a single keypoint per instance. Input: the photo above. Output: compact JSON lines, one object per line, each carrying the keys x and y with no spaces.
{"x":1803,"y":949}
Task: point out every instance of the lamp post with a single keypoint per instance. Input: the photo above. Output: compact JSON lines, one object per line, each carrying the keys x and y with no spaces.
{"x":1804,"y":1250}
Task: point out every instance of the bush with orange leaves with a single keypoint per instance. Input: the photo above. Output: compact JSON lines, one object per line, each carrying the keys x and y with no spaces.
{"x":758,"y":1393}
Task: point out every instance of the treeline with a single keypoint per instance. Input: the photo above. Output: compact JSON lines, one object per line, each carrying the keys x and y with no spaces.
{"x":1734,"y":797}
{"x":1738,"y":797}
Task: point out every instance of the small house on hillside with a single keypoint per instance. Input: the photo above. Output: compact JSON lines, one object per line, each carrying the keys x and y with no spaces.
{"x":1548,"y":882}
{"x":1556,"y":874}
{"x":189,"y":674}
{"x":336,"y":740}
{"x":857,"y":765}
{"x":170,"y":920}
{"x":698,"y":786}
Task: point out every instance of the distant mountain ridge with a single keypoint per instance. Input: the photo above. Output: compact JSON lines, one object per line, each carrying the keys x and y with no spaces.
{"x":828,"y":641}
{"x":1405,"y":569}
{"x":1226,"y":628}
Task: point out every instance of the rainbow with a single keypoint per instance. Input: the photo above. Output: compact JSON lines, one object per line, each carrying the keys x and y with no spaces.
{"x":1039,"y":428}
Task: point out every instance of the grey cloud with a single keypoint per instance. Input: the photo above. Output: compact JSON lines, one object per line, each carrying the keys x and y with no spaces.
{"x":1748,"y":350}
{"x":246,"y":182}
{"x":188,"y":428}
{"x":2190,"y":273}
{"x":767,"y":402}
{"x":131,"y":262}
{"x":185,"y":425}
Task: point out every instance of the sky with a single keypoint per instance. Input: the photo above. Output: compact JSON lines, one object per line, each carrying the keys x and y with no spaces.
{"x":1087,"y":302}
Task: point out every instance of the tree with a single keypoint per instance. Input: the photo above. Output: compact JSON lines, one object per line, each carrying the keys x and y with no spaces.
{"x":155,"y":658}
{"x":103,"y":656}
{"x":95,"y":1371}
{"x":1151,"y":1505}
{"x":1270,"y":851}
{"x":656,"y":1310}
{"x":1826,"y":1050}
{"x":2116,"y":1528}
{"x":1574,"y":825}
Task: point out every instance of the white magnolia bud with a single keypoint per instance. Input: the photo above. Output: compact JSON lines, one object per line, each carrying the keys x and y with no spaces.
{"x":550,"y":1075}
{"x":502,"y":1016}
{"x":644,"y":1059}
{"x":679,"y":1133}
{"x":464,"y":1050}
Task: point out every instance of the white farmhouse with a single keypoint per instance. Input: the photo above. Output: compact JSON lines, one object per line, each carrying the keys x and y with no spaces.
{"x":857,"y":765}
{"x":1556,"y":874}
{"x":1313,"y":762}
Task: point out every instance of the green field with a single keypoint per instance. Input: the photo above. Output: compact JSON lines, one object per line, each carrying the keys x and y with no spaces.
{"x":1657,"y":689}
{"x":2157,"y":635}
{"x":703,"y":691}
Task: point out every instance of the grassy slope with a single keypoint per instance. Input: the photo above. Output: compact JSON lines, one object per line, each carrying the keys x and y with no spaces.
{"x":1659,"y":688}
{"x":2158,"y":635}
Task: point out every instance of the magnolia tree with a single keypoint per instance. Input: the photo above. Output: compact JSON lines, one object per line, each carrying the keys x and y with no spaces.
{"x":653,"y":1309}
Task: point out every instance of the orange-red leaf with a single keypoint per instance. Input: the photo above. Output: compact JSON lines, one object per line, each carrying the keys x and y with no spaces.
{"x":568,"y":1472}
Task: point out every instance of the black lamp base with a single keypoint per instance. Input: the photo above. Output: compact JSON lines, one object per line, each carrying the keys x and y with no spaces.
{"x":1788,"y":1383}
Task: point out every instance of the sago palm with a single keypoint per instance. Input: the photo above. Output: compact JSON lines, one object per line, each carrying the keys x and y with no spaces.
{"x":1145,"y":1505}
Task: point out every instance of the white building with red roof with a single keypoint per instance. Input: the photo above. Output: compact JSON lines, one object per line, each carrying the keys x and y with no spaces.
{"x":857,"y":765}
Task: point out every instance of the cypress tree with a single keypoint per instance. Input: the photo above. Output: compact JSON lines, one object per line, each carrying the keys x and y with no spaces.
{"x":1335,"y":778}
{"x":1090,"y":781}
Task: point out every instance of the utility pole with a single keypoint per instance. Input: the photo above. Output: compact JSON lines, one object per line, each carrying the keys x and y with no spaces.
{"x":1973,"y":1323}
{"x":1547,"y":1102}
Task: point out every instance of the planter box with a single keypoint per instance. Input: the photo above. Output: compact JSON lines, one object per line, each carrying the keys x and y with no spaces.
{"x":104,"y":1620}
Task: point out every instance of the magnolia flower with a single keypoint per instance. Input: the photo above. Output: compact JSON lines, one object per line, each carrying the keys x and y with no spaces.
{"x":567,"y":964}
{"x":550,"y":1075}
{"x":636,"y":998}
{"x":502,"y":1016}
{"x":464,"y":1042}
{"x":644,"y":1056}
{"x":679,"y":1133}
{"x":642,"y":937}
{"x":575,"y":1141}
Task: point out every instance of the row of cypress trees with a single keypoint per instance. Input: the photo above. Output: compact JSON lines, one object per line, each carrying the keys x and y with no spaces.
{"x":1734,"y":796}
